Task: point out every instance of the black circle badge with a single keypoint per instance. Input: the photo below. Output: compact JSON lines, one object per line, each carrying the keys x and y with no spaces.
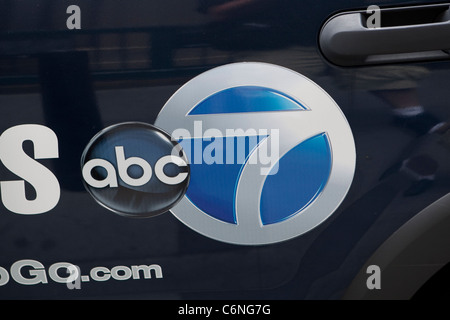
{"x":135,"y":169}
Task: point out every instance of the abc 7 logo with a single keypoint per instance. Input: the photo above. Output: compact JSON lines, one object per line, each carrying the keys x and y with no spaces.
{"x":321,"y":117}
{"x":138,"y":170}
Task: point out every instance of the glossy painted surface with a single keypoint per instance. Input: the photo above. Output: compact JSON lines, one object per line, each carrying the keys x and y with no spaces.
{"x":124,"y":64}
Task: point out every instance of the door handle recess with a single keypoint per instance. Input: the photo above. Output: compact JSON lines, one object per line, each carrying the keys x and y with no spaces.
{"x":418,"y":33}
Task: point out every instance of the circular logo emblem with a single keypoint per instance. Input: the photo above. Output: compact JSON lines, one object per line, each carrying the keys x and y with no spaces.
{"x":271,"y":154}
{"x":135,"y":169}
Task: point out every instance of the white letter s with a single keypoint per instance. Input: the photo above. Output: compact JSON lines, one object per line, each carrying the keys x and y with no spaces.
{"x":12,"y":155}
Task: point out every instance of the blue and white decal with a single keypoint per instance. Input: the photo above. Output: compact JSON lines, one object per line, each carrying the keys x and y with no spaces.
{"x":271,"y":154}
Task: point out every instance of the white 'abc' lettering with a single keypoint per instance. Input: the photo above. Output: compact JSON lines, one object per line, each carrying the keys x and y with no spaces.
{"x":14,"y":158}
{"x":124,"y":163}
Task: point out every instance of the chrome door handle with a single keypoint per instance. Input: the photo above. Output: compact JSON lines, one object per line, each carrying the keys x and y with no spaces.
{"x":405,"y":34}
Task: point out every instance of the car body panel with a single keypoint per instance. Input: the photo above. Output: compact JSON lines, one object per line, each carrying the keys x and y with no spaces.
{"x":126,"y":61}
